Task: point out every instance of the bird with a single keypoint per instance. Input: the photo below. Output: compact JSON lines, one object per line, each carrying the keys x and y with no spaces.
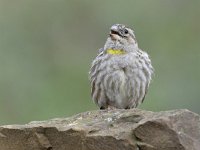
{"x":121,"y":72}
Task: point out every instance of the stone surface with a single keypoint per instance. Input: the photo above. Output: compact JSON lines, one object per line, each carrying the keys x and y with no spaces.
{"x":133,"y":129}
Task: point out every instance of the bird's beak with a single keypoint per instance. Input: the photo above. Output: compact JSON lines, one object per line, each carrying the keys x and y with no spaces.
{"x":114,"y":28}
{"x":114,"y":31}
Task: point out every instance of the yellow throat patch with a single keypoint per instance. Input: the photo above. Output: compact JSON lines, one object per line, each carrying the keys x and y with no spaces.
{"x":115,"y":51}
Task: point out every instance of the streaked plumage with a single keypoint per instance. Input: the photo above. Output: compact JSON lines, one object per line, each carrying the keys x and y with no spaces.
{"x":121,"y":73}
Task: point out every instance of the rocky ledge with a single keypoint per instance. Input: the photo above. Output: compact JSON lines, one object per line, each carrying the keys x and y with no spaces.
{"x":133,"y":129}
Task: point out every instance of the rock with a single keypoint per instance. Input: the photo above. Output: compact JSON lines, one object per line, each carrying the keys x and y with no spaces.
{"x":133,"y":129}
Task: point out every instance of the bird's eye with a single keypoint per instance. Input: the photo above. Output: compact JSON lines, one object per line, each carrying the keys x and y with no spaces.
{"x":125,"y":31}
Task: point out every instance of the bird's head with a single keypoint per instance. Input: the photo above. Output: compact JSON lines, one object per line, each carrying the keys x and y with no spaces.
{"x":121,"y":36}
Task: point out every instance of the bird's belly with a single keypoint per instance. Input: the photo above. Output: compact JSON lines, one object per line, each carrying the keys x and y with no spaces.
{"x":120,"y":81}
{"x":116,"y":85}
{"x":125,"y":85}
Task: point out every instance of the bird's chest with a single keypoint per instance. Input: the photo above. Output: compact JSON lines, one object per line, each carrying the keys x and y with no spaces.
{"x":124,"y":62}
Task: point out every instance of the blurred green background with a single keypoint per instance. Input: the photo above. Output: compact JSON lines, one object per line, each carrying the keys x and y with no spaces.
{"x":46,"y":47}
